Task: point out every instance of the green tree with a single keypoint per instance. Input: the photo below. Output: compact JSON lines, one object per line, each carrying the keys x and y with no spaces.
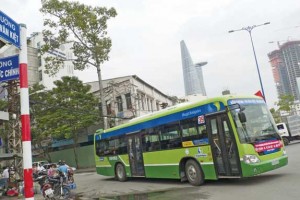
{"x":286,"y":103}
{"x":73,"y":109}
{"x":276,"y":115}
{"x":39,"y":105}
{"x":3,"y":124}
{"x":84,"y":26}
{"x":3,"y":105}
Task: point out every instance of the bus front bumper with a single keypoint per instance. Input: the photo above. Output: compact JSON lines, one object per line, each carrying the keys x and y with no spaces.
{"x":264,"y":166}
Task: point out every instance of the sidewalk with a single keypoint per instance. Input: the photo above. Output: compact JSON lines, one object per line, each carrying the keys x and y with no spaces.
{"x":84,"y":170}
{"x":39,"y":196}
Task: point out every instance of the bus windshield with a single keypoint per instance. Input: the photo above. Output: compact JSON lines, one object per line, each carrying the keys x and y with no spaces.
{"x":259,"y":125}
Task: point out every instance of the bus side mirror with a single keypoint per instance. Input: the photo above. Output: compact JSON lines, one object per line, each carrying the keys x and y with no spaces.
{"x":242,"y":117}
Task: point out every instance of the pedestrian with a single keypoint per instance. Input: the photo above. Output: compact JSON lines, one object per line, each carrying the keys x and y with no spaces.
{"x":5,"y":173}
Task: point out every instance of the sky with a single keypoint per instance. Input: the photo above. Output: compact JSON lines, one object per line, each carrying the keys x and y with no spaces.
{"x":146,"y":37}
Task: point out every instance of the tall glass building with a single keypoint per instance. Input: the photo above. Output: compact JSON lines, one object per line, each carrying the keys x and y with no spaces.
{"x":192,"y":73}
{"x":285,"y":64}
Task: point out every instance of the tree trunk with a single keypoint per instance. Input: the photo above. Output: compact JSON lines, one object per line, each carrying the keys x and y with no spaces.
{"x":48,"y":155}
{"x":75,"y":151}
{"x":102,"y":98}
{"x":76,"y":156}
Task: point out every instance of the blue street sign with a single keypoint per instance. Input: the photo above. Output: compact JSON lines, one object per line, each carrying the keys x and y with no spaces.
{"x":9,"y":30}
{"x":9,"y":68}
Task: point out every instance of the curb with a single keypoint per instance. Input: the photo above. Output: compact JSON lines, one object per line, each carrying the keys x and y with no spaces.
{"x":78,"y":171}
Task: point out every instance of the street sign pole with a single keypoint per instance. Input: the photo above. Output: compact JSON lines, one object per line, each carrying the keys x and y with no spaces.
{"x":15,"y":34}
{"x":25,"y":117}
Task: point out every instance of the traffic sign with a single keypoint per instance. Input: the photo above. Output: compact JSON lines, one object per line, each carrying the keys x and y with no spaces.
{"x":9,"y":68}
{"x":9,"y":30}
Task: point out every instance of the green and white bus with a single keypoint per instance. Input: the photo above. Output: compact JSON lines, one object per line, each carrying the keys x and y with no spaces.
{"x":221,"y":137}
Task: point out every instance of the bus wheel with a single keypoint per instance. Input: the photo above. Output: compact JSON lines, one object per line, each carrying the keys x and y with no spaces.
{"x":285,"y":141}
{"x":120,"y":172}
{"x":194,"y":173}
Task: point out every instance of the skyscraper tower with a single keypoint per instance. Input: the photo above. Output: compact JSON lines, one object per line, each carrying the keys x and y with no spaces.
{"x":285,"y":63}
{"x":192,"y":74}
{"x":280,"y":73}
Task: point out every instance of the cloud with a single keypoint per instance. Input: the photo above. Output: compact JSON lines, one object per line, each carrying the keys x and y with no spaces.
{"x":146,"y":36}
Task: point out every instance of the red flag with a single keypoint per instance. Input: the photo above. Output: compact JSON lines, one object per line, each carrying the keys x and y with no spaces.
{"x":258,"y":93}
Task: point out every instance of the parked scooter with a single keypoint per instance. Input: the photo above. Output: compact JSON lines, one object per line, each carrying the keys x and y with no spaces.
{"x":54,"y":187}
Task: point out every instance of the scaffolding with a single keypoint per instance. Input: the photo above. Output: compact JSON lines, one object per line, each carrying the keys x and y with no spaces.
{"x":14,"y":135}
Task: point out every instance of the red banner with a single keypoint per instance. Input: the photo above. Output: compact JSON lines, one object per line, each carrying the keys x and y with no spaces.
{"x":269,"y":145}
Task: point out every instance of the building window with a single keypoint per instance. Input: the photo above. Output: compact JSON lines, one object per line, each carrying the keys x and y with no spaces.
{"x":128,"y":101}
{"x":108,"y":108}
{"x":148,"y":104}
{"x":119,"y":102}
{"x":138,"y":100}
{"x":40,"y":75}
{"x":151,"y":105}
{"x":157,"y":105}
{"x":38,"y":45}
{"x":143,"y":101}
{"x":40,"y":61}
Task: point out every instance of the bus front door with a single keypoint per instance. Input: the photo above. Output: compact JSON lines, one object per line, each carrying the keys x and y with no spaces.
{"x":136,"y":155}
{"x":223,"y":146}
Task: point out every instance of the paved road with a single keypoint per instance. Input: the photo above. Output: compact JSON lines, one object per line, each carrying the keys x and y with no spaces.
{"x":283,"y":183}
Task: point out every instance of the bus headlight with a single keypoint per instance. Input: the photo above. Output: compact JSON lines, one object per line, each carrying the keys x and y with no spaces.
{"x":284,"y":152}
{"x":250,"y":159}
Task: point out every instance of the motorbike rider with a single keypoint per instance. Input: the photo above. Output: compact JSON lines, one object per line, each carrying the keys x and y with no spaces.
{"x":52,"y":170}
{"x":64,"y":169}
{"x":40,"y":167}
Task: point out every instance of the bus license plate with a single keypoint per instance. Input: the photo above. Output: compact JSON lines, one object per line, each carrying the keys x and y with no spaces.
{"x":275,"y":162}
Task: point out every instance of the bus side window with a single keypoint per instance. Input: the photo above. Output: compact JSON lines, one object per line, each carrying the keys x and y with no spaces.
{"x":146,"y":143}
{"x":189,"y":130}
{"x":151,"y":141}
{"x":122,"y":147}
{"x":202,"y":131}
{"x":101,"y":147}
{"x":170,"y":136}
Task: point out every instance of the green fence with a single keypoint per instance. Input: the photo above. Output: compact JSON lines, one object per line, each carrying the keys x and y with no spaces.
{"x":85,"y":156}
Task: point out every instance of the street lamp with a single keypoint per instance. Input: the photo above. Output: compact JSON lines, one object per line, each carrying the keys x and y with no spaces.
{"x":249,"y":29}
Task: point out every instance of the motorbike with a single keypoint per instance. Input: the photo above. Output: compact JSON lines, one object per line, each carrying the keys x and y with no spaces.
{"x":37,"y":174}
{"x":54,"y":188}
{"x":70,"y":175}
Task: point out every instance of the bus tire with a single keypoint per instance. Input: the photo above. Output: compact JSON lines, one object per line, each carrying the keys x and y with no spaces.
{"x":120,"y":172}
{"x":285,"y":141}
{"x":194,"y":173}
